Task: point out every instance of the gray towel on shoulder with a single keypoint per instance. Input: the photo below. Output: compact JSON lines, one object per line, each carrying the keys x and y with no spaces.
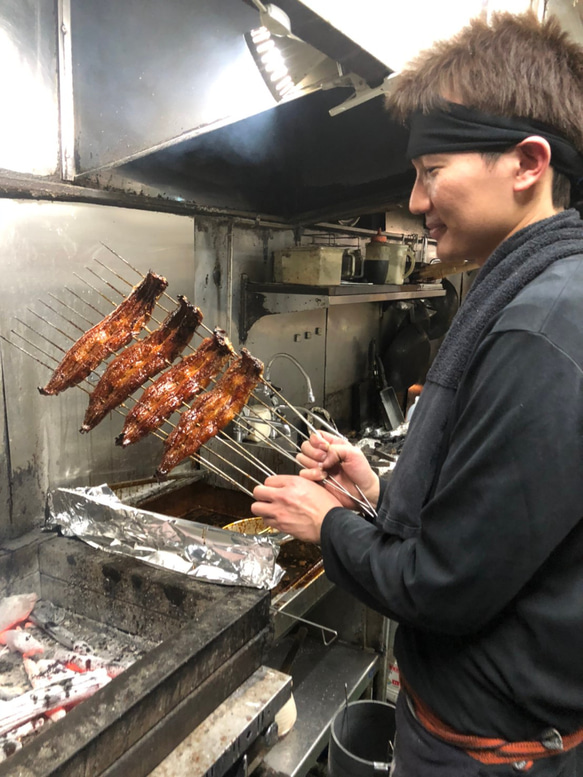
{"x":513,"y":265}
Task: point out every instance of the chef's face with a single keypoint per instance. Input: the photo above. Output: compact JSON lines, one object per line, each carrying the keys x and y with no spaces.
{"x":467,"y":202}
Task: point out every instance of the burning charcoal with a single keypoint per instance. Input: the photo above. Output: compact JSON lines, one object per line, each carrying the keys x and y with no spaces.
{"x":8,"y":746}
{"x":83,"y":662}
{"x":63,"y":693}
{"x":8,"y":692}
{"x":57,"y":714}
{"x":10,"y":743}
{"x":82,"y":648}
{"x":15,"y":609}
{"x":21,"y":641}
{"x":43,"y":672}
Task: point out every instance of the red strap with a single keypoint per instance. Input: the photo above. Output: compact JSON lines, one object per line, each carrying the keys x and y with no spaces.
{"x":489,"y":750}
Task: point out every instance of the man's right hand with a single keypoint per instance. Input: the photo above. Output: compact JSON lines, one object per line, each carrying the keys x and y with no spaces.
{"x":324,"y":455}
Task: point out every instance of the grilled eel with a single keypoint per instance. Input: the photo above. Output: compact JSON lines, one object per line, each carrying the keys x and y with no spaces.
{"x":177,"y":385}
{"x":141,"y":361}
{"x":211,"y":412}
{"x":112,"y":333}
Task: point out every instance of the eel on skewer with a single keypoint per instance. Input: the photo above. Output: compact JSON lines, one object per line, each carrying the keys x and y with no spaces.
{"x":177,"y":385}
{"x":211,"y":412}
{"x":140,"y":361}
{"x":108,"y":336}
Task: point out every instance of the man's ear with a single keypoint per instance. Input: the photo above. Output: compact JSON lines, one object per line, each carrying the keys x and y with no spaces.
{"x":534,"y":158}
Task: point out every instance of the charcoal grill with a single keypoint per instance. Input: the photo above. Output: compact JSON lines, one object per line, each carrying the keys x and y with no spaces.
{"x":210,"y":639}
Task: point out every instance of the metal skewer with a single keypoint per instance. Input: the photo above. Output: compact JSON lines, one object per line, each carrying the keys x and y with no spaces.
{"x":369,"y":507}
{"x":161,"y":435}
{"x":33,"y":330}
{"x":229,"y":442}
{"x":68,"y":307}
{"x":219,"y":472}
{"x":138,"y":272}
{"x":50,"y":323}
{"x":56,"y":312}
{"x":330,"y":480}
{"x":14,"y":345}
{"x":79,"y":297}
{"x":223,"y":438}
{"x":101,"y":294}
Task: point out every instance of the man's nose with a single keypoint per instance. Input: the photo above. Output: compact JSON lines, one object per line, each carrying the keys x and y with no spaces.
{"x":419,"y":202}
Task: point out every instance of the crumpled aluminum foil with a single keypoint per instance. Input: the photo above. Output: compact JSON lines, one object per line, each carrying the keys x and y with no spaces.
{"x":96,"y":516}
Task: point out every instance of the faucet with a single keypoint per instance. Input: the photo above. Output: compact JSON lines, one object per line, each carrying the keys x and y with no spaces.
{"x":311,"y":397}
{"x":251,"y":419}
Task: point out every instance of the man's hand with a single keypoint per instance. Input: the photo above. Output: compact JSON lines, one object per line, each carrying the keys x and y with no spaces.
{"x":324,"y":455}
{"x":293,"y":505}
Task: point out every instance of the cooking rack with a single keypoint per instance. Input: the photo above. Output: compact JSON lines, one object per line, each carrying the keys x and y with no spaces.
{"x":229,"y":466}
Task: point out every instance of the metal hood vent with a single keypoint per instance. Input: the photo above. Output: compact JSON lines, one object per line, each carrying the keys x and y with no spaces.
{"x":149,"y":75}
{"x":295,"y":162}
{"x":169,"y":101}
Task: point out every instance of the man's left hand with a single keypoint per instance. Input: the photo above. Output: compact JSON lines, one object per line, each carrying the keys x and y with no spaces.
{"x":293,"y":505}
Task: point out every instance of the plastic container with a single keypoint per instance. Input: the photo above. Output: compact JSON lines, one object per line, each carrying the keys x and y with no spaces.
{"x":309,"y":265}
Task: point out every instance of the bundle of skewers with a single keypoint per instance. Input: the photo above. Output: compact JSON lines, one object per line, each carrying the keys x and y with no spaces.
{"x":208,"y":387}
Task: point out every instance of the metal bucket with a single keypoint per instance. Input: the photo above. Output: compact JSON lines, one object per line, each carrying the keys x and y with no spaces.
{"x":361,"y":740}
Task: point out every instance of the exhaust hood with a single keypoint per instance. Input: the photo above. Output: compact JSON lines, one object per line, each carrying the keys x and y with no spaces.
{"x":147,"y":76}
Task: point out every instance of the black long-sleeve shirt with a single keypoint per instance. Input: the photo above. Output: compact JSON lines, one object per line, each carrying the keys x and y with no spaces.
{"x":485,"y":576}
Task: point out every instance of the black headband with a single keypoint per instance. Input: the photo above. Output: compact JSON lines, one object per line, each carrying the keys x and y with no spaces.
{"x":457,"y":128}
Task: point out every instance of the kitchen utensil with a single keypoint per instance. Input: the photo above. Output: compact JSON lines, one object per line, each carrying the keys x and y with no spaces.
{"x":361,"y":749}
{"x":352,"y":265}
{"x":376,"y":261}
{"x":401,"y":263}
{"x":388,"y":399}
{"x":406,"y":360}
{"x":256,"y":527}
{"x":389,"y":263}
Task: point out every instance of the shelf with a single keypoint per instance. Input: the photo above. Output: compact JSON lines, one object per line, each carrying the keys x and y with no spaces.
{"x":323,"y":679}
{"x":263,"y":299}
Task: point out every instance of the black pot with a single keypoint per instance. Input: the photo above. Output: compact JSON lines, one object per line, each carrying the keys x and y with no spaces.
{"x":361,"y":739}
{"x":375,"y":270}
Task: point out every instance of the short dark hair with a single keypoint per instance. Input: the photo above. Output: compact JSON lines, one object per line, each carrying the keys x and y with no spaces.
{"x":514,"y":65}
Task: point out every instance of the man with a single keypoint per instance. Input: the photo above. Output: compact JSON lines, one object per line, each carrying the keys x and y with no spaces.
{"x":477,"y":550}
